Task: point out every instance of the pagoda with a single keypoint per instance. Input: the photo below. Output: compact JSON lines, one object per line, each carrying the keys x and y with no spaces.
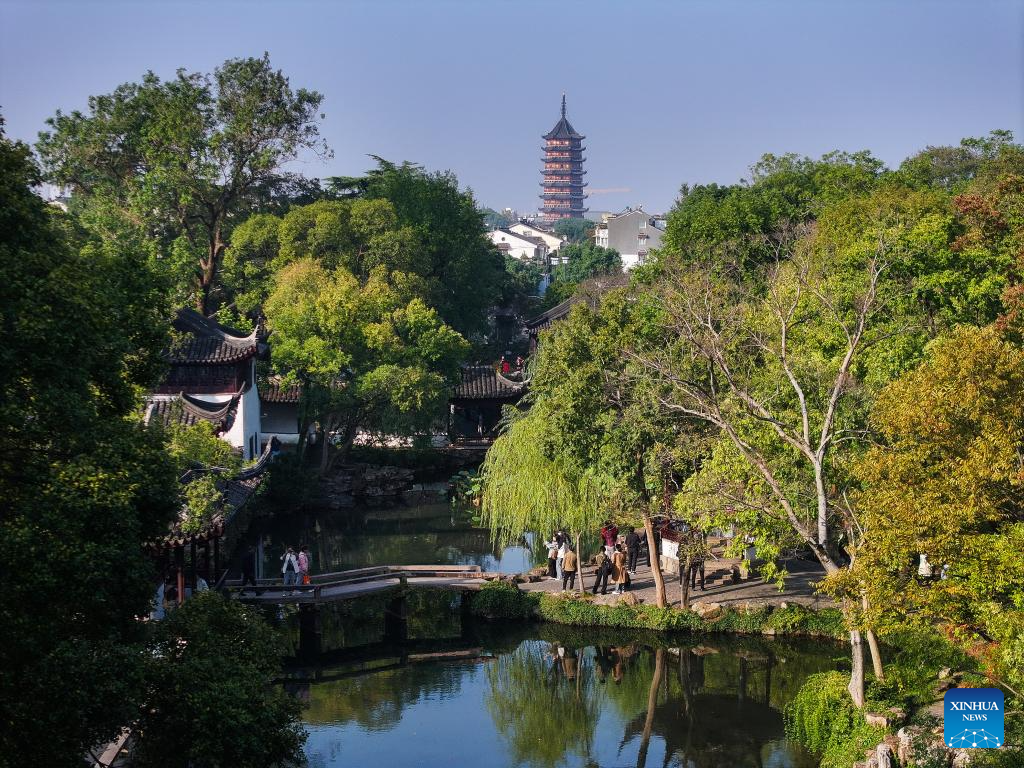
{"x":562,"y":186}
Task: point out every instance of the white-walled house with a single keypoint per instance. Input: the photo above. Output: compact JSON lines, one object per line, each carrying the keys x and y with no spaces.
{"x":553,"y":241}
{"x":633,"y":233}
{"x":519,"y":246}
{"x":212,"y":377}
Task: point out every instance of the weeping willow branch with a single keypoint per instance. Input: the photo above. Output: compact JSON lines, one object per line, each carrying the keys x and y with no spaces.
{"x":525,"y":490}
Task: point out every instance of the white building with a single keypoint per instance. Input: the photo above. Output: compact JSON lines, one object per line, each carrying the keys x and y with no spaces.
{"x":519,"y":246}
{"x":633,"y":233}
{"x":553,"y":241}
{"x":212,"y":377}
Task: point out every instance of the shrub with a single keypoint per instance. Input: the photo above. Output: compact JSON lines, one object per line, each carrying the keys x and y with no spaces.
{"x":823,"y":719}
{"x":501,"y":600}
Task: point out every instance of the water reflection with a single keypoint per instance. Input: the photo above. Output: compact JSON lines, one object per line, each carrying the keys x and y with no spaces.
{"x":420,"y":534}
{"x":551,"y":696}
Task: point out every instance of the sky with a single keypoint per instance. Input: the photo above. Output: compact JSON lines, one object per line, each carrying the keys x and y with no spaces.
{"x":667,"y":93}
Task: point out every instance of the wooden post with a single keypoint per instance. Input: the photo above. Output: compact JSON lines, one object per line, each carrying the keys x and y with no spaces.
{"x":179,"y":562}
{"x":192,"y":573}
{"x":209,"y":563}
{"x":396,"y":620}
{"x":216,"y":560}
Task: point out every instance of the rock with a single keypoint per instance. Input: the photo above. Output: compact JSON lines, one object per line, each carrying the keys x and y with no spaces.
{"x":945,"y":685}
{"x":871,"y":762}
{"x":896,"y":716}
{"x":875,"y":720}
{"x":783,"y":605}
{"x":629,"y":599}
{"x":884,"y":756}
{"x":905,"y":750}
{"x":709,"y":611}
{"x":961,"y":758}
{"x":944,"y":673}
{"x":540,"y":570}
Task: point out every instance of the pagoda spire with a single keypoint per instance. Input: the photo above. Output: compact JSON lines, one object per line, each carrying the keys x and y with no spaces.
{"x":563,"y":106}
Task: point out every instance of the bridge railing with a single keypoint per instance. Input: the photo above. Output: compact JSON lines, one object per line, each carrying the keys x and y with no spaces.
{"x":401,"y":573}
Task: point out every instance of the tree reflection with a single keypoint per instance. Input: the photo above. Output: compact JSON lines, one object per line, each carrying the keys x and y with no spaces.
{"x":544,"y":703}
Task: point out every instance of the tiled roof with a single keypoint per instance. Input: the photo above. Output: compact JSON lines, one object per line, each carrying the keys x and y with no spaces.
{"x":236,"y":491}
{"x":272,"y":390}
{"x":557,"y":312}
{"x":188,"y":410}
{"x":483,"y":382}
{"x":204,"y":341}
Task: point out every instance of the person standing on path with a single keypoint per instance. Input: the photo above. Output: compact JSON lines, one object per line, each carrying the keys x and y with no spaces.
{"x":604,"y":568}
{"x":632,"y":549}
{"x":552,"y":558}
{"x":697,"y":560}
{"x":569,"y":563}
{"x":303,"y":563}
{"x":289,"y":568}
{"x":563,"y":548}
{"x":618,"y":569}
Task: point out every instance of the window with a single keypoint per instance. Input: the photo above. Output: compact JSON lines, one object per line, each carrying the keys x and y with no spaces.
{"x":643,"y":223}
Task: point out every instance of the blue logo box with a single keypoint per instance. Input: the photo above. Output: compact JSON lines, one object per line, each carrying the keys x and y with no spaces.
{"x":973,"y":718}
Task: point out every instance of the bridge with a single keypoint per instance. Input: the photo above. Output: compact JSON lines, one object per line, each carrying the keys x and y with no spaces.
{"x":347,"y":585}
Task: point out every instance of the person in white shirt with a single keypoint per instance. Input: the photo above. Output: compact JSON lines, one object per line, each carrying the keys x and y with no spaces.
{"x":289,"y":568}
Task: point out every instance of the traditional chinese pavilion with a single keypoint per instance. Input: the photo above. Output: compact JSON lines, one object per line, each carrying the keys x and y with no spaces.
{"x":562,"y":186}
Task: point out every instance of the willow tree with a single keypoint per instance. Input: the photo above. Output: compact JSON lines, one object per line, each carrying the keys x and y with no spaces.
{"x":526,"y":489}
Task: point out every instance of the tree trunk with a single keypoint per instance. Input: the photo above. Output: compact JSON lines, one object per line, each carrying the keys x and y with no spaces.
{"x":652,"y":702}
{"x":876,"y":655}
{"x":684,"y":580}
{"x":579,"y":564}
{"x":856,"y":686}
{"x":652,"y":548}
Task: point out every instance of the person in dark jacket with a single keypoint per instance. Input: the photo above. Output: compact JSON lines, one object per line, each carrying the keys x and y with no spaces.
{"x":604,"y":570}
{"x":632,"y":550}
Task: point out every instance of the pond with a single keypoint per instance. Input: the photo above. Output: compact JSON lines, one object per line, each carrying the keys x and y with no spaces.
{"x":419,"y":534}
{"x":546,"y":696}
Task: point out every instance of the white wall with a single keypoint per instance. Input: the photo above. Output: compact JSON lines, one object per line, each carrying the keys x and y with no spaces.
{"x":518,"y":248}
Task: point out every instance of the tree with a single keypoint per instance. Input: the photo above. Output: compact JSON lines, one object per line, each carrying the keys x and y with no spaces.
{"x":212,"y":698}
{"x":371,"y":355}
{"x":463,"y":270}
{"x":944,"y":483}
{"x":84,"y":484}
{"x":574,"y":230}
{"x":586,"y":260}
{"x":182,"y":160}
{"x":495,"y":220}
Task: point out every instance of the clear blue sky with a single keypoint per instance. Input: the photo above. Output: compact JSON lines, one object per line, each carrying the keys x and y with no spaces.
{"x":666,"y":92}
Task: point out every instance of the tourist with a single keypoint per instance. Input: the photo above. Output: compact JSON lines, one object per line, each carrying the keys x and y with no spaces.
{"x":563,"y":547}
{"x":303,"y":562}
{"x":604,"y":569}
{"x":610,"y":535}
{"x":552,"y":558}
{"x":289,"y":568}
{"x":519,"y":364}
{"x":697,"y":560}
{"x":632,"y":549}
{"x":249,"y":562}
{"x":506,"y":366}
{"x":619,"y":575}
{"x":569,"y":562}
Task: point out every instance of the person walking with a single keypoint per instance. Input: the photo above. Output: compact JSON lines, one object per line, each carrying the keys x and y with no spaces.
{"x":569,"y":564}
{"x":619,"y":574}
{"x":604,"y":568}
{"x":552,"y":558}
{"x":632,"y":549}
{"x":289,"y":568}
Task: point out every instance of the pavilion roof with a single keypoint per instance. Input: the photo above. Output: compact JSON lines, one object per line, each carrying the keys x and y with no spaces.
{"x":189,"y":410}
{"x":202,"y":341}
{"x":274,"y":390}
{"x":483,"y":382}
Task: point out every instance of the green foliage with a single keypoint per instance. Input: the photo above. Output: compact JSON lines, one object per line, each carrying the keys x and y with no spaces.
{"x":822,"y":718}
{"x":189,"y":445}
{"x":370,"y":355}
{"x":464,"y":273}
{"x":177,"y":162}
{"x":212,"y":699}
{"x":501,"y":600}
{"x":83,"y":483}
{"x":575,"y":230}
{"x":586,"y":260}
